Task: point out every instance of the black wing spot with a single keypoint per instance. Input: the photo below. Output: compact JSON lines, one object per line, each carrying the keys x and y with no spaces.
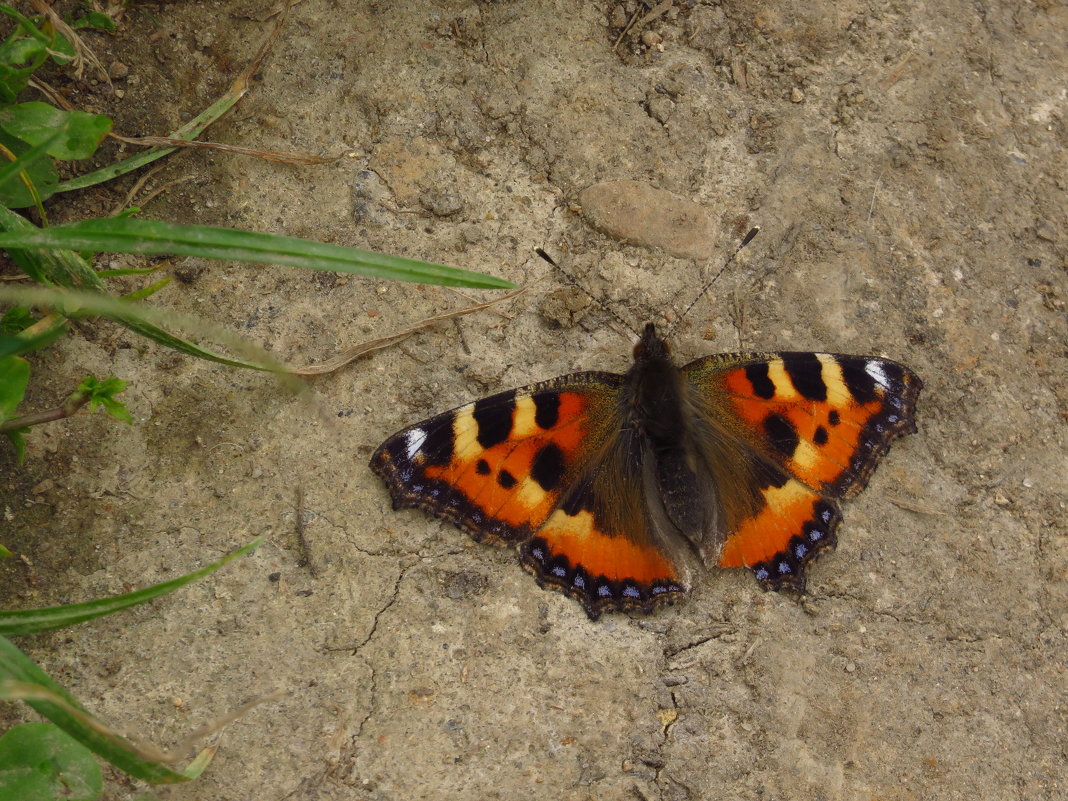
{"x":548,"y":467}
{"x":820,"y":437}
{"x":806,"y":374}
{"x":506,"y":479}
{"x":579,"y":498}
{"x":833,"y":417}
{"x":861,"y":385}
{"x":438,"y":446}
{"x":782,"y":434}
{"x":482,"y":467}
{"x":546,"y":409}
{"x":494,"y":419}
{"x":768,"y":476}
{"x":763,"y":386}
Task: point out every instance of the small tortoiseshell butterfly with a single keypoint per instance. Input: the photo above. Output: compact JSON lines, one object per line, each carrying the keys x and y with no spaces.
{"x":609,"y":484}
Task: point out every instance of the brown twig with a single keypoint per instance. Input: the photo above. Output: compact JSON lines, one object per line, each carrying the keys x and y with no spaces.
{"x":623,"y":32}
{"x":895,"y":74}
{"x":260,"y":153}
{"x":343,"y":358}
{"x":70,"y":407}
{"x":920,"y":508}
{"x":51,"y":93}
{"x":151,"y":195}
{"x":302,"y":536}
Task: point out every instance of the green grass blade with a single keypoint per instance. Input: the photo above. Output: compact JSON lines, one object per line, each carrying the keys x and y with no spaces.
{"x":31,"y":621}
{"x":191,"y":130}
{"x":156,"y":237}
{"x":148,"y":321}
{"x":146,"y":291}
{"x":62,"y":268}
{"x":66,"y":268}
{"x":131,"y":270}
{"x":18,"y":673}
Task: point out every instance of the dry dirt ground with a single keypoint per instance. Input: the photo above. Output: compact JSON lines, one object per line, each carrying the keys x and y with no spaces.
{"x":907,"y":164}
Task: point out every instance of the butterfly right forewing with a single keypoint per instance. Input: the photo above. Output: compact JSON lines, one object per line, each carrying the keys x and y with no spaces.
{"x":818,"y":423}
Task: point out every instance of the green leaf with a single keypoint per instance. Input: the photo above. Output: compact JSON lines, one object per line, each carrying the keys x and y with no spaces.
{"x":94,"y":387}
{"x":95,"y":20}
{"x":102,"y":393}
{"x":18,"y":674}
{"x":155,"y":237}
{"x":24,"y":50}
{"x":23,"y":53}
{"x":14,"y":378}
{"x":18,"y":442}
{"x":191,"y":130}
{"x":5,"y":553}
{"x":31,"y":621}
{"x":36,"y":122}
{"x":200,"y":762}
{"x":26,"y":343}
{"x":60,"y":267}
{"x":13,"y":81}
{"x":34,"y":165}
{"x":21,"y":679}
{"x":146,"y":320}
{"x":130,"y":271}
{"x":62,"y":50}
{"x":16,"y":319}
{"x":41,"y":762}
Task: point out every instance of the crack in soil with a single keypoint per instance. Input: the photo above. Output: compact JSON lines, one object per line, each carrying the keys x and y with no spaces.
{"x":373,"y":683}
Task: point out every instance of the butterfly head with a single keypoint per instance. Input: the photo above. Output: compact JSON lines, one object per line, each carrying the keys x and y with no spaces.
{"x":651,"y":348}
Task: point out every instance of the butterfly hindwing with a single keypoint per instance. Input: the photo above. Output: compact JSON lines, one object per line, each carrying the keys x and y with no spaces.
{"x":608,"y":544}
{"x":822,"y":422}
{"x":778,"y":541}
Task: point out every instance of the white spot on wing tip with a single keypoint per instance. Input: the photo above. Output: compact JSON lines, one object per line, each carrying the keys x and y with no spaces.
{"x":876,"y":371}
{"x":413,"y":441}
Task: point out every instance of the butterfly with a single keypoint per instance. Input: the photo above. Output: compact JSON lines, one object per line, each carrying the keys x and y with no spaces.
{"x":613,"y":487}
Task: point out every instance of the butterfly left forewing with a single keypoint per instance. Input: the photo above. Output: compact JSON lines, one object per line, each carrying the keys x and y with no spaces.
{"x":497,"y":467}
{"x":820,"y":424}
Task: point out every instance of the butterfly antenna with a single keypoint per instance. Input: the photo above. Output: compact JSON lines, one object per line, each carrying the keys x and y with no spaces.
{"x":745,"y":241}
{"x":574,"y":282}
